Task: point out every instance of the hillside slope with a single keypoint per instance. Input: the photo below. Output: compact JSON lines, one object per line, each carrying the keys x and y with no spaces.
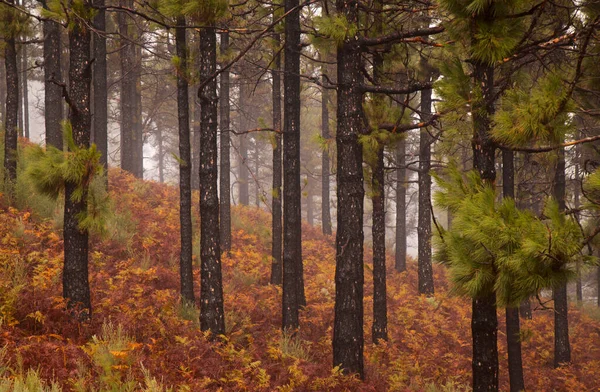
{"x":141,"y":338}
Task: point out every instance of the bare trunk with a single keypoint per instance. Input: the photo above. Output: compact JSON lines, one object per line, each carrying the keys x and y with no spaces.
{"x":185,"y":165}
{"x":424,"y":226}
{"x":400,"y":260}
{"x":277,"y":229}
{"x":325,"y":204}
{"x":293,"y":285}
{"x":225,"y":163}
{"x":100,"y":118}
{"x":348,"y":334}
{"x":212,"y":317}
{"x":12,"y":107}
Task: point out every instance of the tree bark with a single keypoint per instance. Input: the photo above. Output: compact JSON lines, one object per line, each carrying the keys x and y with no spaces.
{"x":277,"y":229}
{"x":225,"y":163}
{"x":293,"y":285}
{"x":243,"y":175}
{"x":562,"y":347}
{"x":400,"y":259}
{"x":131,"y":135}
{"x":424,"y":226}
{"x":25,"y":89}
{"x":12,"y":106}
{"x":513,"y":326}
{"x":76,"y":288}
{"x":185,"y":165}
{"x":325,"y":204}
{"x":348,"y":336}
{"x":100,"y":118}
{"x":379,"y":271}
{"x":211,"y":288}
{"x":484,"y":323}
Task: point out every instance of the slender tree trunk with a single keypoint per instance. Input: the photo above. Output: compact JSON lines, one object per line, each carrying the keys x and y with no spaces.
{"x":131,"y":138}
{"x":293,"y":284}
{"x":310,"y":216}
{"x":379,"y":329}
{"x":379,"y":271}
{"x":76,"y":288}
{"x":211,"y":288}
{"x":160,"y":153}
{"x":424,"y":228}
{"x":225,"y":165}
{"x":20,"y":87}
{"x":325,"y":205}
{"x":576,"y":205}
{"x":256,"y":162}
{"x":484,"y":323}
{"x":348,"y":335}
{"x":243,"y":175}
{"x":185,"y":165}
{"x":277,"y":247}
{"x":562,"y":347}
{"x":3,"y":93}
{"x":25,"y":89}
{"x":12,"y":105}
{"x":513,"y":327}
{"x":100,"y":118}
{"x":400,"y":262}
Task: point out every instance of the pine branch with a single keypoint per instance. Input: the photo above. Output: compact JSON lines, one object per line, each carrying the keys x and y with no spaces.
{"x":400,"y":36}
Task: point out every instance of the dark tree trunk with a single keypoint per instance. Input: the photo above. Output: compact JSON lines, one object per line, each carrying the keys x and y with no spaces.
{"x":76,"y":288}
{"x":598,"y":287}
{"x":379,"y":330}
{"x":211,"y":287}
{"x":195,"y":109}
{"x":20,"y":87}
{"x":256,"y":162}
{"x":100,"y":118}
{"x":225,"y":163}
{"x":576,"y":205}
{"x":185,"y":165}
{"x":400,"y":262}
{"x":379,"y":272}
{"x":276,"y":250}
{"x":513,"y":327}
{"x":525,"y":309}
{"x":310,"y":216}
{"x":293,"y":284}
{"x":325,"y":205}
{"x":12,"y":106}
{"x":25,"y":89}
{"x":562,"y":347}
{"x":348,"y":334}
{"x":131,"y":136}
{"x":424,"y":226}
{"x":3,"y":92}
{"x":243,"y":175}
{"x":484,"y":323}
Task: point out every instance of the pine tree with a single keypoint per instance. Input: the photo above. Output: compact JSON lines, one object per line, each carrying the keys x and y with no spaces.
{"x":10,"y":27}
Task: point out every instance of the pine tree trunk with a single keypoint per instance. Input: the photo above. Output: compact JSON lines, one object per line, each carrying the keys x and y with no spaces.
{"x":310,"y":216}
{"x":225,"y":163}
{"x":131,"y":138}
{"x":576,"y":205}
{"x":12,"y":106}
{"x":348,"y":336}
{"x":400,"y":260}
{"x":185,"y":167}
{"x":277,"y":229}
{"x":25,"y":89}
{"x":562,"y":347}
{"x":513,"y":327}
{"x":243,"y":176}
{"x":379,"y":271}
{"x":325,"y":204}
{"x":100,"y":118}
{"x":293,"y":285}
{"x":211,"y":288}
{"x":484,"y":323}
{"x":76,"y":288}
{"x":424,"y":227}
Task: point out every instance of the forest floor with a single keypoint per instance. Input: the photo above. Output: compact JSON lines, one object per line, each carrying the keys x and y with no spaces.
{"x":141,"y":338}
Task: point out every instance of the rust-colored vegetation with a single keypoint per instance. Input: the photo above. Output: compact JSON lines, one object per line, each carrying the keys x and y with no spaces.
{"x":141,"y":338}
